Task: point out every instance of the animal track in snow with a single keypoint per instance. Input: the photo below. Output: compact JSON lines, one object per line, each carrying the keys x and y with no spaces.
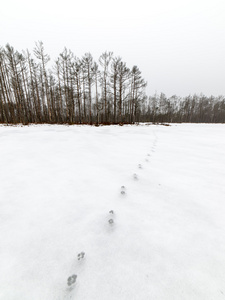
{"x":71,"y":280}
{"x":135,"y":176}
{"x":81,"y":255}
{"x":123,"y":190}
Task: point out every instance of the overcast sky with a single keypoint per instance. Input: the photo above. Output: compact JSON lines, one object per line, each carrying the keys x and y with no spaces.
{"x":179,"y":45}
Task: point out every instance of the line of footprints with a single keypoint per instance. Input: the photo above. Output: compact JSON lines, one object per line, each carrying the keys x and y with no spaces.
{"x":72,"y":279}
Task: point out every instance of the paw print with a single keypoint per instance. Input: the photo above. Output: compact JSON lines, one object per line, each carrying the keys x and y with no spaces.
{"x":71,"y":280}
{"x":135,"y":176}
{"x":111,"y":221}
{"x":111,"y":212}
{"x":81,"y":255}
{"x":123,"y":190}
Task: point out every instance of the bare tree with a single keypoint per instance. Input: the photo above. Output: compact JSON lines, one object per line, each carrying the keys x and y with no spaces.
{"x":44,"y":59}
{"x":87,"y":63}
{"x":104,"y":61}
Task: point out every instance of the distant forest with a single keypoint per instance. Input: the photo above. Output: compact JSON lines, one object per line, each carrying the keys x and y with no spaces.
{"x":81,"y":91}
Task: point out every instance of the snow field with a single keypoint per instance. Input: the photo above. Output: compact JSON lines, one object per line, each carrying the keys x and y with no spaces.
{"x":58,"y":185}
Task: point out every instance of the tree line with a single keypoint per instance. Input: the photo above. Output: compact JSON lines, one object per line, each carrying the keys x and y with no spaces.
{"x":82,"y":91}
{"x":190,"y":109}
{"x":75,"y":90}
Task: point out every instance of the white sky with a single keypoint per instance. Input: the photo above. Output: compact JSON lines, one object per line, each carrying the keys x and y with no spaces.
{"x":179,"y":45}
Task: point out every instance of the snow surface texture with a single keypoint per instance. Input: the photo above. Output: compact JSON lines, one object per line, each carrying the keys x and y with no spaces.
{"x":60,"y":186}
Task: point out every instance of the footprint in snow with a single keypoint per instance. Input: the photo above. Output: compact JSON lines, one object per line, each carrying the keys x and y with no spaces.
{"x":71,"y":280}
{"x":81,"y":255}
{"x":70,"y":289}
{"x":122,"y":190}
{"x":135,"y":176}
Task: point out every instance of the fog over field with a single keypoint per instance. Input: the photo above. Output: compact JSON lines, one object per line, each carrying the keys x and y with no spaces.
{"x":178,"y":45}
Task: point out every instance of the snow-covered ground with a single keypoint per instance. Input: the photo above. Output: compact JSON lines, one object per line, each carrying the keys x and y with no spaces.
{"x":58,"y":184}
